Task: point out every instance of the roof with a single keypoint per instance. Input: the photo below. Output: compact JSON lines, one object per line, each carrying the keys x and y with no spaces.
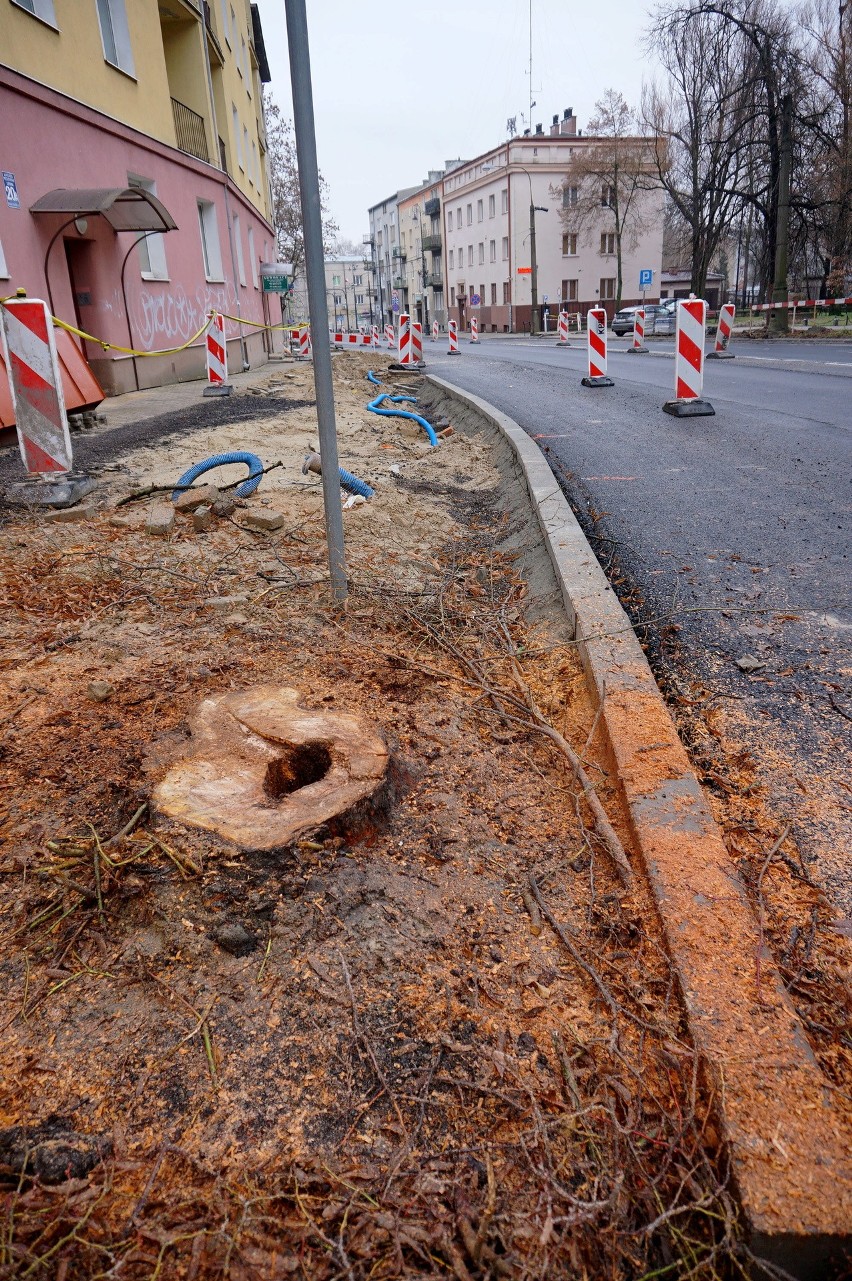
{"x":125,"y":208}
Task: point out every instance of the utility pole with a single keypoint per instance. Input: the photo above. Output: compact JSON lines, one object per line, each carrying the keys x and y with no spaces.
{"x":780,"y":319}
{"x":534,"y":270}
{"x":306,"y":154}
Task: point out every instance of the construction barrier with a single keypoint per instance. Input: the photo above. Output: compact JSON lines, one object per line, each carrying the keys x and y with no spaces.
{"x":390,"y":337}
{"x":638,"y":344}
{"x":723,"y":334}
{"x":802,"y":302}
{"x":375,"y":337}
{"x":217,"y":357}
{"x":404,"y":339}
{"x":36,"y":385}
{"x":453,"y":336}
{"x":339,"y":339}
{"x":562,"y":330}
{"x":596,"y":347}
{"x":416,"y":343}
{"x":435,"y":331}
{"x":689,"y":361}
{"x":474,"y":330}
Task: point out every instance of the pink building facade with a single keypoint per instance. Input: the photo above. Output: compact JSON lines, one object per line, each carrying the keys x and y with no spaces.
{"x":99,"y":279}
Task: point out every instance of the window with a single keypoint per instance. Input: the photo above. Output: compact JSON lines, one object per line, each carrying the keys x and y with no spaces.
{"x":481,"y":251}
{"x":607,"y":242}
{"x":152,"y":252}
{"x":242,"y":58}
{"x":569,"y":290}
{"x":246,"y":147}
{"x":452,"y":295}
{"x":492,"y":206}
{"x":4,"y":270}
{"x":569,"y":243}
{"x":39,"y":9}
{"x":255,"y":280}
{"x":480,"y":212}
{"x":569,"y":196}
{"x":359,"y":280}
{"x":505,"y":248}
{"x":470,"y":255}
{"x":608,"y":196}
{"x":452,"y":261}
{"x":607,"y":289}
{"x":210,"y":250}
{"x":482,"y":291}
{"x":226,"y":30}
{"x":254,"y":164}
{"x":335,"y":280}
{"x":469,"y":213}
{"x":506,"y":296}
{"x":458,"y":218}
{"x":493,"y":295}
{"x":115,"y":35}
{"x":450,"y":221}
{"x":504,"y":200}
{"x":492,"y":251}
{"x":235,"y":120}
{"x":233,"y":29}
{"x":238,"y":240}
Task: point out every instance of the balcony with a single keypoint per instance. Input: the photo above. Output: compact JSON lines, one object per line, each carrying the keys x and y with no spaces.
{"x":435,"y":279}
{"x":398,"y":253}
{"x":399,"y":282}
{"x":432,"y":208}
{"x":189,"y":131}
{"x":433,"y":242}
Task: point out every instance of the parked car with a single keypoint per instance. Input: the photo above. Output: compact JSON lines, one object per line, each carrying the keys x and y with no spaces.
{"x":657,"y":320}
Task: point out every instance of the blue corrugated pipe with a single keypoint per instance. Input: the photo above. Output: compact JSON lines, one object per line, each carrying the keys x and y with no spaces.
{"x":371,"y":377}
{"x":348,"y":481}
{"x":247,"y":487}
{"x":373,"y":406}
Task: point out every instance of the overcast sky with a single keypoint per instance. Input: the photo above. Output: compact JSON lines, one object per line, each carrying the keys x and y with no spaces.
{"x":400,"y":87}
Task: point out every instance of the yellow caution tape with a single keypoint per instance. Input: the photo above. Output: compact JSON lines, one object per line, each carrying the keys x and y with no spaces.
{"x":256,"y":324}
{"x":130,"y":351}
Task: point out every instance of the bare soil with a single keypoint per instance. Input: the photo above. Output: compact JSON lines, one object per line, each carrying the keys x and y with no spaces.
{"x":437,"y":1040}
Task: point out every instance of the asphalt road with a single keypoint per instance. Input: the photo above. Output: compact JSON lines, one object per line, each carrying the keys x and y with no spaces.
{"x":732,"y":529}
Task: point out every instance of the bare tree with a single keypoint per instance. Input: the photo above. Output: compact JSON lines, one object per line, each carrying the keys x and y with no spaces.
{"x":701,"y":116}
{"x":283,"y":170}
{"x":605,"y":185}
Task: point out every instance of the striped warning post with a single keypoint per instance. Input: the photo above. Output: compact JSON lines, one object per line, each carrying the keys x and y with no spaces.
{"x":435,"y":331}
{"x":36,"y":386}
{"x":562,"y":330}
{"x":217,"y":350}
{"x":474,"y":330}
{"x":374,"y":336}
{"x":416,"y":343}
{"x":637,"y":347}
{"x":404,"y":339}
{"x":689,"y":361}
{"x":723,"y":334}
{"x":453,"y":336}
{"x":596,"y":346}
{"x":390,"y":338}
{"x":305,"y":343}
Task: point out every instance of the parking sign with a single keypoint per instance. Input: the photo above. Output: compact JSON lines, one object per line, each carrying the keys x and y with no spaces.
{"x":646,"y":278}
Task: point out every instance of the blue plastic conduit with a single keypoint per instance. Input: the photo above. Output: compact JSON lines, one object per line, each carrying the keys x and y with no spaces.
{"x":373,"y":406}
{"x":248,"y":486}
{"x":354,"y":485}
{"x":371,"y":377}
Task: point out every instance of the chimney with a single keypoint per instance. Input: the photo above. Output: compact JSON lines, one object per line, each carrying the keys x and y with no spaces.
{"x":554,"y":128}
{"x":568,"y":128}
{"x":539,"y":130}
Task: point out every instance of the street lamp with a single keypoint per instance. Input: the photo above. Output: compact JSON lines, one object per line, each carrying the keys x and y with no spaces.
{"x":533,"y":261}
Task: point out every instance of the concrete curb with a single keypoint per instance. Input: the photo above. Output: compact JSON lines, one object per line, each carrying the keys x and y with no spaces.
{"x":790,"y":1160}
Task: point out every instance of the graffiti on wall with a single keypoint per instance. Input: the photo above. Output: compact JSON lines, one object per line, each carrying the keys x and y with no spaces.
{"x":170,"y":317}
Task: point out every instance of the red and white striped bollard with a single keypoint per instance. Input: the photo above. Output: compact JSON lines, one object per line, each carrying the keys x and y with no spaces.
{"x":637,"y":347}
{"x":390,"y":337}
{"x":375,"y":337}
{"x":723,"y":333}
{"x":36,"y":386}
{"x":217,"y":357}
{"x":404,"y":339}
{"x":596,"y":346}
{"x":474,"y":330}
{"x":435,"y":331}
{"x":689,"y":361}
{"x":416,"y":343}
{"x":562,"y":330}
{"x":453,"y":338}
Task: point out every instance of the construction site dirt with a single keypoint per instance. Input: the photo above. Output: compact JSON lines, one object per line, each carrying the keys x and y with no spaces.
{"x":434,"y":1036}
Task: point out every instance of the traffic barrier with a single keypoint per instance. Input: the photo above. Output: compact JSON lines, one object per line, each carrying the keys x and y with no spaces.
{"x":638,"y":344}
{"x":416,"y":343}
{"x":435,"y":331}
{"x":453,"y":337}
{"x":390,"y":337}
{"x":375,"y":337}
{"x":217,"y":357}
{"x":723,"y":334}
{"x":689,"y":361}
{"x":404,"y":339}
{"x":474,"y":330}
{"x":801,"y":302}
{"x":36,"y":385}
{"x":562,"y":330}
{"x":339,"y":339}
{"x":596,"y":347}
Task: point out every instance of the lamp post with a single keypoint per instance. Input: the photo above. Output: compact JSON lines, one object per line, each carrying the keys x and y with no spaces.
{"x":533,"y":260}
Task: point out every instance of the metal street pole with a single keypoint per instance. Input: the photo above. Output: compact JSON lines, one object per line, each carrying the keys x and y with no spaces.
{"x":534,"y":272}
{"x":306,"y":154}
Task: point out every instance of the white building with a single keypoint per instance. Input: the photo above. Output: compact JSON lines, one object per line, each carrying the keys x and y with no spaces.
{"x":383,"y":247}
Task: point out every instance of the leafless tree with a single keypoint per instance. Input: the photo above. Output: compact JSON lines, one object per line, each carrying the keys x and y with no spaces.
{"x":283,"y":170}
{"x":604,"y":188}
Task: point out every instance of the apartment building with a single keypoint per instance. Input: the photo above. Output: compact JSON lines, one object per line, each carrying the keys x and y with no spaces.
{"x":383,"y":247}
{"x":487,"y":244}
{"x":133,"y":149}
{"x":421,"y":244}
{"x":351,"y":293}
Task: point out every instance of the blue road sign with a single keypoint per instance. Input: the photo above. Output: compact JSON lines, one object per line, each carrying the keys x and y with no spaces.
{"x":646,"y":278}
{"x":475,"y":300}
{"x":13,"y":200}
